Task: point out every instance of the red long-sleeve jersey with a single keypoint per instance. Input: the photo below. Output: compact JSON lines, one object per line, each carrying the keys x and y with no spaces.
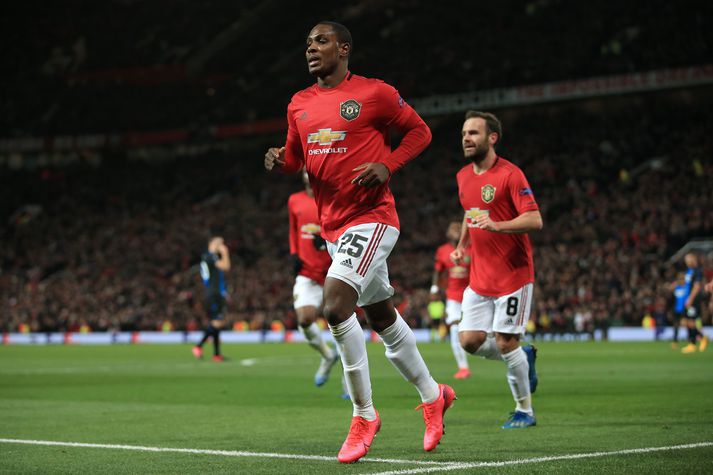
{"x":457,"y":274}
{"x":304,"y":225}
{"x":332,"y":131}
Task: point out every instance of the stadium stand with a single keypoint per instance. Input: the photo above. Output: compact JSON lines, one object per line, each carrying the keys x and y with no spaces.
{"x":125,"y":65}
{"x":111,"y":240}
{"x":114,"y":245}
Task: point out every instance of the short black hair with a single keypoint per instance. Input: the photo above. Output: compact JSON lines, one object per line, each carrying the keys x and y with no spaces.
{"x":213,"y":232}
{"x":342,"y":32}
{"x":492,"y":123}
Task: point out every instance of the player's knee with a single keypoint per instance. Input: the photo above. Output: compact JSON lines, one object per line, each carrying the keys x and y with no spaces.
{"x":339,"y":301}
{"x":507,"y":342}
{"x":471,"y":341}
{"x":335,"y":311}
{"x":305,"y":322}
{"x":306,"y":316}
{"x":381,"y":315}
{"x":470,"y":346}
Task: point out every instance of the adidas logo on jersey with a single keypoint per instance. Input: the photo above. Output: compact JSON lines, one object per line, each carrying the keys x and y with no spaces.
{"x":347,"y":263}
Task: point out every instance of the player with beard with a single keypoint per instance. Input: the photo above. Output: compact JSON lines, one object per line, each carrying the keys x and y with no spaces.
{"x":500,"y":209}
{"x":339,"y":130}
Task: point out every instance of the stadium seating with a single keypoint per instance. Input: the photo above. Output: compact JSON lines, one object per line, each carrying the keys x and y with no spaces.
{"x":115,"y":245}
{"x":128,"y":66}
{"x":111,"y":241}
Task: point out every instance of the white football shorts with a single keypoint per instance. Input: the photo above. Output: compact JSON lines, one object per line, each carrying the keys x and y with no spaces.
{"x":306,"y":292}
{"x":453,"y":312}
{"x":504,"y":314}
{"x":359,"y":259}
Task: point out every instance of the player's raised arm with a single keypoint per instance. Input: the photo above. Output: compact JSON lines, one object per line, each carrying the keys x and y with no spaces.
{"x":528,"y":219}
{"x":396,"y":114}
{"x":402,"y":117}
{"x":524,"y":223}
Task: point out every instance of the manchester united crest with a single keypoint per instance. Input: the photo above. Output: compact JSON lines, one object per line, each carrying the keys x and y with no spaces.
{"x":487,"y":192}
{"x":349,"y":110}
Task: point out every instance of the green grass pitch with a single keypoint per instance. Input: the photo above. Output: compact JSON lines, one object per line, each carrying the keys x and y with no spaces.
{"x":592,"y":398}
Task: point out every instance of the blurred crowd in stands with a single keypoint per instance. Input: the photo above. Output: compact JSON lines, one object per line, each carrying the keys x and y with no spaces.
{"x":112,"y":241}
{"x":114,"y":245}
{"x":124,"y":65}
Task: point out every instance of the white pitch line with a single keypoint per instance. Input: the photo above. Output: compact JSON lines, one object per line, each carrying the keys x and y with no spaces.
{"x":227,"y":453}
{"x":447,"y":467}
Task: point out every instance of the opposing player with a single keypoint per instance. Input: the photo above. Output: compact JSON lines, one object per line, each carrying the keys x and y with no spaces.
{"x":693,"y":291}
{"x":339,"y":130}
{"x":456,"y":278}
{"x":214,"y":263}
{"x":309,"y":253}
{"x":680,"y":292}
{"x":500,"y":210}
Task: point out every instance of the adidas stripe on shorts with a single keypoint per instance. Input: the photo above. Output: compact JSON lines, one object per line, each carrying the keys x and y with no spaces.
{"x":306,"y":292}
{"x":504,"y":314}
{"x":359,"y":259}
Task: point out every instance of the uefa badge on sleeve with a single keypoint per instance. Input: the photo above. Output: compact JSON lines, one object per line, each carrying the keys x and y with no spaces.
{"x":349,"y":110}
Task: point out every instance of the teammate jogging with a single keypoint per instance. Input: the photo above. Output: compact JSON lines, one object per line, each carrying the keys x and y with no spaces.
{"x":500,"y":209}
{"x":456,"y":280}
{"x":311,"y":262}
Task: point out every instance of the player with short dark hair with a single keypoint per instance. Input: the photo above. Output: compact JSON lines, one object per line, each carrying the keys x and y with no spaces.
{"x":500,"y":209}
{"x":339,"y":130}
{"x":309,"y":253}
{"x":215,"y":261}
{"x":492,"y":123}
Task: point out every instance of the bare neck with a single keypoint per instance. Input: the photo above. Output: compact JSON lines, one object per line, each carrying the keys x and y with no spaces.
{"x":334,"y":78}
{"x":486,"y":164}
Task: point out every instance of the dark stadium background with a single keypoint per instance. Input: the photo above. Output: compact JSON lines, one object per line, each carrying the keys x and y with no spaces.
{"x":130,"y":128}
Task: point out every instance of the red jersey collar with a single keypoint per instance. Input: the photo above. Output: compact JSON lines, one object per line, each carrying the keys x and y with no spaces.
{"x":495,"y":164}
{"x":339,"y":86}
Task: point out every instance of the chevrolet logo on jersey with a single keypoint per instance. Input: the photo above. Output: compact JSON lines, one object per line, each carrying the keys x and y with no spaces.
{"x":326,"y":136}
{"x":310,"y":229}
{"x":458,"y":272}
